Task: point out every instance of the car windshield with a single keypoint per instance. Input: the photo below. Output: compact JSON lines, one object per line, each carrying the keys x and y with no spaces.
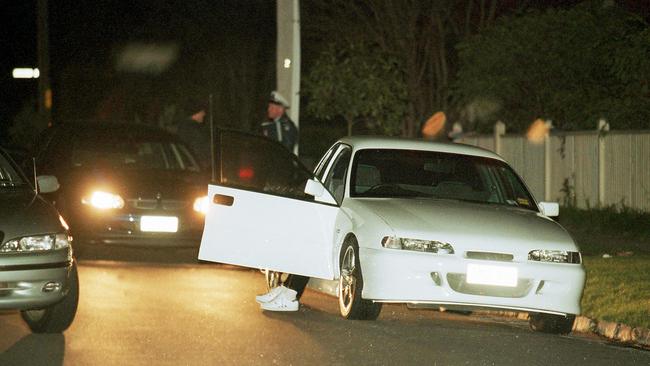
{"x":390,"y":173}
{"x":9,"y":176}
{"x":136,"y":155}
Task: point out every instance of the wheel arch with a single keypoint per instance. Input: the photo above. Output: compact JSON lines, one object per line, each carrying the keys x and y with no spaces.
{"x":337,"y":252}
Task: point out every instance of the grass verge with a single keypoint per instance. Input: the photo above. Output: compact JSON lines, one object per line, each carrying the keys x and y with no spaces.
{"x":618,"y":289}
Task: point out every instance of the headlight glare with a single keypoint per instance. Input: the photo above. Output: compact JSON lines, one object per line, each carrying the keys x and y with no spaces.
{"x":62,"y":241}
{"x":30,"y":244}
{"x":201,"y":205}
{"x":37,"y":243}
{"x":104,"y":200}
{"x":418,"y":245}
{"x":554,"y":256}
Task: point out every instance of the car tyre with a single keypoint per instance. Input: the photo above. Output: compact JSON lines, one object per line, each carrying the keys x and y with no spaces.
{"x":549,"y":323}
{"x":58,"y":317}
{"x":351,"y":305}
{"x":292,"y":281}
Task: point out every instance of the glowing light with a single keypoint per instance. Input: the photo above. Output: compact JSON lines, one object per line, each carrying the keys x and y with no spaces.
{"x":246,"y":173}
{"x":104,"y":200}
{"x":480,"y":274}
{"x":160,"y":224}
{"x":538,"y":131}
{"x":25,"y":73}
{"x":287,"y":63}
{"x":201,"y":205}
{"x":434,"y":125}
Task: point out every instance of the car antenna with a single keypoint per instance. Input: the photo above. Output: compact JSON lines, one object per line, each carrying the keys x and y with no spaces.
{"x":35,"y":180}
{"x":212,"y":149}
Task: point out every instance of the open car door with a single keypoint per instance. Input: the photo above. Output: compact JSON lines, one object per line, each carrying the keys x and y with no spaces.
{"x":259,"y":215}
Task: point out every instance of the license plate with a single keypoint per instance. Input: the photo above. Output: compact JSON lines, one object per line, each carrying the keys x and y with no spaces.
{"x":481,"y":274}
{"x":159,"y":224}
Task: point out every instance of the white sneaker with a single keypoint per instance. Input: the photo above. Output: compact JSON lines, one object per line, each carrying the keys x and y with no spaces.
{"x":282,"y":303}
{"x":274,"y":293}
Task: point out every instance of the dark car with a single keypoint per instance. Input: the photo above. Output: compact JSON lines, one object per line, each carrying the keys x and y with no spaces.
{"x":125,"y":184}
{"x":38,"y":273}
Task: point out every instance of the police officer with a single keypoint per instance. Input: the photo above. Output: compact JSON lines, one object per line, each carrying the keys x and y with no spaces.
{"x":279,"y":126}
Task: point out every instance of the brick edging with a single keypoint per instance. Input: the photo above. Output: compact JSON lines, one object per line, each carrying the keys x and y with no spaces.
{"x":618,"y":332}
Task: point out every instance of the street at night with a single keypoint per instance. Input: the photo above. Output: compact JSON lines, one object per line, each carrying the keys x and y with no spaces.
{"x":325,"y":182}
{"x":145,"y":313}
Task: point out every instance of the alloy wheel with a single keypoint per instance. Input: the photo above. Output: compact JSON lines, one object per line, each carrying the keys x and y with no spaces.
{"x":347,"y":280}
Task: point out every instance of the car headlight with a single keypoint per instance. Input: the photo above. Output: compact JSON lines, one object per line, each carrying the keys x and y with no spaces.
{"x":418,"y":245}
{"x":554,"y":256}
{"x":201,"y":205}
{"x":37,"y":243}
{"x":104,"y":200}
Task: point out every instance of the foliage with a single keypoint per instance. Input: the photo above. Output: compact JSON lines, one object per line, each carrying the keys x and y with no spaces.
{"x":572,"y":66}
{"x":419,"y":36}
{"x":610,"y":229}
{"x":359,"y":83}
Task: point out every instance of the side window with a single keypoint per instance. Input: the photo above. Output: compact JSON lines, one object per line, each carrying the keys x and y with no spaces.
{"x":259,"y":164}
{"x":335,"y":180}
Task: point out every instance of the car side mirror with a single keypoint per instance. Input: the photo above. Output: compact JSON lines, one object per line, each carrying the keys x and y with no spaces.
{"x":550,"y":209}
{"x":316,"y":189}
{"x":47,"y":184}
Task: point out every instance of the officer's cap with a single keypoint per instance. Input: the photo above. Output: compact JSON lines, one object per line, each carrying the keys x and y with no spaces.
{"x":277,"y":98}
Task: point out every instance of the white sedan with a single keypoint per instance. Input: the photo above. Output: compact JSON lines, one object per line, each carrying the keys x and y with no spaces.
{"x":395,"y":221}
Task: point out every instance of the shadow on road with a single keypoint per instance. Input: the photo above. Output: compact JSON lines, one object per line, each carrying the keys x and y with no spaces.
{"x":133,"y":253}
{"x":35,"y":350}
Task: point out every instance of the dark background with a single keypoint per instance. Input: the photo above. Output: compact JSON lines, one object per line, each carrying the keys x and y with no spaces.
{"x":225,"y":48}
{"x":219,"y":43}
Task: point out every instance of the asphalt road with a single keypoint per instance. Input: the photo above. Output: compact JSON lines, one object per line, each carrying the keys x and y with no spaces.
{"x":155,"y":311}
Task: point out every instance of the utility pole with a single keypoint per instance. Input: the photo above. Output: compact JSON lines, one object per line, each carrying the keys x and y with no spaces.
{"x":44,"y":90}
{"x":288,"y":56}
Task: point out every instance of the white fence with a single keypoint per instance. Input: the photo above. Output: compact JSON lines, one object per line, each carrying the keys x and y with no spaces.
{"x":589,"y":168}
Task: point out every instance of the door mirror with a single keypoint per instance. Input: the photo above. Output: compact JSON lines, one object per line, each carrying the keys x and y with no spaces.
{"x":47,"y":183}
{"x":316,"y":189}
{"x":550,"y":209}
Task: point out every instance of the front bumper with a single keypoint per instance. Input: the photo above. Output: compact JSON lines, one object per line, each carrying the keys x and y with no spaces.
{"x":33,"y":285}
{"x":424,"y":278}
{"x":115,"y":228}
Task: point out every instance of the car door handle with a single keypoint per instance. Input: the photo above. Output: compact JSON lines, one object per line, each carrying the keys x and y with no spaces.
{"x":221,"y":199}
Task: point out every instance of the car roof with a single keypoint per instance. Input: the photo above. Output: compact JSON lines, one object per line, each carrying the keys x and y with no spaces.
{"x":400,"y":143}
{"x":133,"y":131}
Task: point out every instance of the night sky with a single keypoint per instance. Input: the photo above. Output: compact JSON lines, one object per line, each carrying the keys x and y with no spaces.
{"x":212,"y":37}
{"x":86,"y":37}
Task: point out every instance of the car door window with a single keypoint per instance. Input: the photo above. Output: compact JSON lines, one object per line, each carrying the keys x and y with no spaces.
{"x":335,"y":179}
{"x":259,"y":164}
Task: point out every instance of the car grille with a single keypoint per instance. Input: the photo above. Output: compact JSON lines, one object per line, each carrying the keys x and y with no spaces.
{"x":457,"y":283}
{"x":489,"y":256}
{"x":150,"y":204}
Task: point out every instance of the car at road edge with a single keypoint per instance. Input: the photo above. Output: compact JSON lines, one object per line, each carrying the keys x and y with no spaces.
{"x":38,"y":272}
{"x":396,"y":221}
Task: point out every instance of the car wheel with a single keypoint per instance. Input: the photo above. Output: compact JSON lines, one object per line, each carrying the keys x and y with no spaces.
{"x":548,"y":323}
{"x":58,"y":317}
{"x":292,"y":281}
{"x":351,"y":305}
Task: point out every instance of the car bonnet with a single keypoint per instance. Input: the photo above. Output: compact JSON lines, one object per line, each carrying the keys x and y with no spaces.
{"x":470,"y":226}
{"x":23,"y":213}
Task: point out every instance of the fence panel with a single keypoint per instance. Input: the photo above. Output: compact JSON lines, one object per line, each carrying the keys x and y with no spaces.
{"x":575,"y":166}
{"x":618,"y":169}
{"x":641,"y":172}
